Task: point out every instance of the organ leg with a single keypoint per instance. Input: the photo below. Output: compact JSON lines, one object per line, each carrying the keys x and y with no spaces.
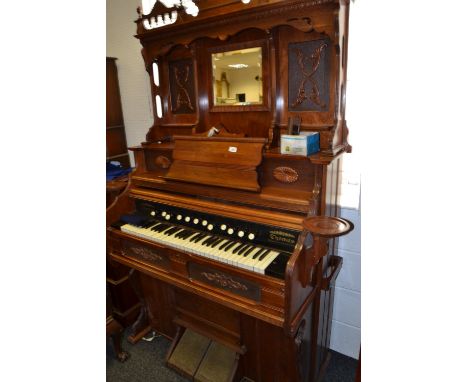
{"x":115,"y":330}
{"x":141,"y":326}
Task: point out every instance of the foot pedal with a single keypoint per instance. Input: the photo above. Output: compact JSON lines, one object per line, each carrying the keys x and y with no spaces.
{"x":201,"y":359}
{"x":218,"y":365}
{"x":189,"y":353}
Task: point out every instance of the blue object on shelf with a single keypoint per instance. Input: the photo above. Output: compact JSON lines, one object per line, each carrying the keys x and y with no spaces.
{"x":114,"y":171}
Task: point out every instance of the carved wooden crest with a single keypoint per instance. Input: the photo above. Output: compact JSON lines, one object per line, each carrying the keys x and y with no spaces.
{"x":285,"y":174}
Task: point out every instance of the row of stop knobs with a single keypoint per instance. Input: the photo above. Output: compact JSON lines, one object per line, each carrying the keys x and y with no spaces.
{"x":204,"y":223}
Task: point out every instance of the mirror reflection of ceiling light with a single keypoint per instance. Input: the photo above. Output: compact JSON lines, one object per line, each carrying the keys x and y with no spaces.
{"x":238,"y":66}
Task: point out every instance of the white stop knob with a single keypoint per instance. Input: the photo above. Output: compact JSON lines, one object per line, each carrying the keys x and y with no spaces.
{"x":240,"y":234}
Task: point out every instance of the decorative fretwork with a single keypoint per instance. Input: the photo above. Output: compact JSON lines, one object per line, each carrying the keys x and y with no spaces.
{"x":224,"y":281}
{"x":145,"y":253}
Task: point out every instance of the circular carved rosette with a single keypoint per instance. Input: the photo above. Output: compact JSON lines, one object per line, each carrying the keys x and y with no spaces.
{"x":163,"y":162}
{"x":285,"y":174}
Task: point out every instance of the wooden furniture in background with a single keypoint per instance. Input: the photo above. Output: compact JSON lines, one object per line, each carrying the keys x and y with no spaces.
{"x":125,"y":304}
{"x":114,"y":329}
{"x":114,"y":188}
{"x":116,"y":141}
{"x":278,"y":323}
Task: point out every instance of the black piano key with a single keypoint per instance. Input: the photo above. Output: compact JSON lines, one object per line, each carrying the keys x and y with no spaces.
{"x":174,"y":232}
{"x":233,"y":245}
{"x":180,"y":233}
{"x":278,"y":266}
{"x":216,"y":242}
{"x":242,"y":251}
{"x":169,"y":228}
{"x":171,"y":231}
{"x":211,"y":240}
{"x":196,"y":236}
{"x":203,"y":236}
{"x":187,"y":234}
{"x":225,"y":245}
{"x":260,"y":251}
{"x":162,"y":228}
{"x":205,"y":239}
{"x":240,"y":248}
{"x":249,"y":250}
{"x":262,"y":256}
{"x":156,"y":226}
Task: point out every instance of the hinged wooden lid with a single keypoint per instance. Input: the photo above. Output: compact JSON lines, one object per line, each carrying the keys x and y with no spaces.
{"x":217,"y":161}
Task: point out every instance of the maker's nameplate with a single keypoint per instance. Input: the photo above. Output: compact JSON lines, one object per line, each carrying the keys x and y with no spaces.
{"x":278,"y":236}
{"x":224,"y":281}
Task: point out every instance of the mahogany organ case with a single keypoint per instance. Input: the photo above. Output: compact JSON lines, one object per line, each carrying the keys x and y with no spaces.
{"x":231,"y":244}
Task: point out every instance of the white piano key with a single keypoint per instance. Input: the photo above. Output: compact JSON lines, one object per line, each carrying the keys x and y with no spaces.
{"x":263,"y":264}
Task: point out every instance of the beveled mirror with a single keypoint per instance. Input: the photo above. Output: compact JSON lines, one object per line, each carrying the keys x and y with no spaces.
{"x":238,"y":78}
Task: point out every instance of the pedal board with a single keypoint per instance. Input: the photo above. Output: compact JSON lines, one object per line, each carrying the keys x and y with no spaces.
{"x":203,"y":360}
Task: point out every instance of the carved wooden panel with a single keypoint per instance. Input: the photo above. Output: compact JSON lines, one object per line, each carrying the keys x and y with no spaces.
{"x":224,"y":281}
{"x":308,"y":74}
{"x":182,"y":84}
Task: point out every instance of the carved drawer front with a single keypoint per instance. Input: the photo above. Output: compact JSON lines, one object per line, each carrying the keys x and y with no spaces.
{"x":224,"y":281}
{"x":146,"y":254}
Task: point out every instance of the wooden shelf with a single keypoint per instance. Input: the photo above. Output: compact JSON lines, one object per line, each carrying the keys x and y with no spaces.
{"x":117,"y":156}
{"x":114,"y":127}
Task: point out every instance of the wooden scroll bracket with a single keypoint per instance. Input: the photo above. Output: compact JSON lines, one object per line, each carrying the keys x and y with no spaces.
{"x":335,"y":264}
{"x":322,"y":229}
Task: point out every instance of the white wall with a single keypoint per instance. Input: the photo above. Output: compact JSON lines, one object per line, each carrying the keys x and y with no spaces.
{"x":346,"y":327}
{"x":138,"y":117}
{"x":134,"y":82}
{"x":346,"y":322}
{"x":243,"y":81}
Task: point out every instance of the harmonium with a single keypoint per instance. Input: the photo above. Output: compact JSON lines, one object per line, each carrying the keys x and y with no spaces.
{"x":227,"y":243}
